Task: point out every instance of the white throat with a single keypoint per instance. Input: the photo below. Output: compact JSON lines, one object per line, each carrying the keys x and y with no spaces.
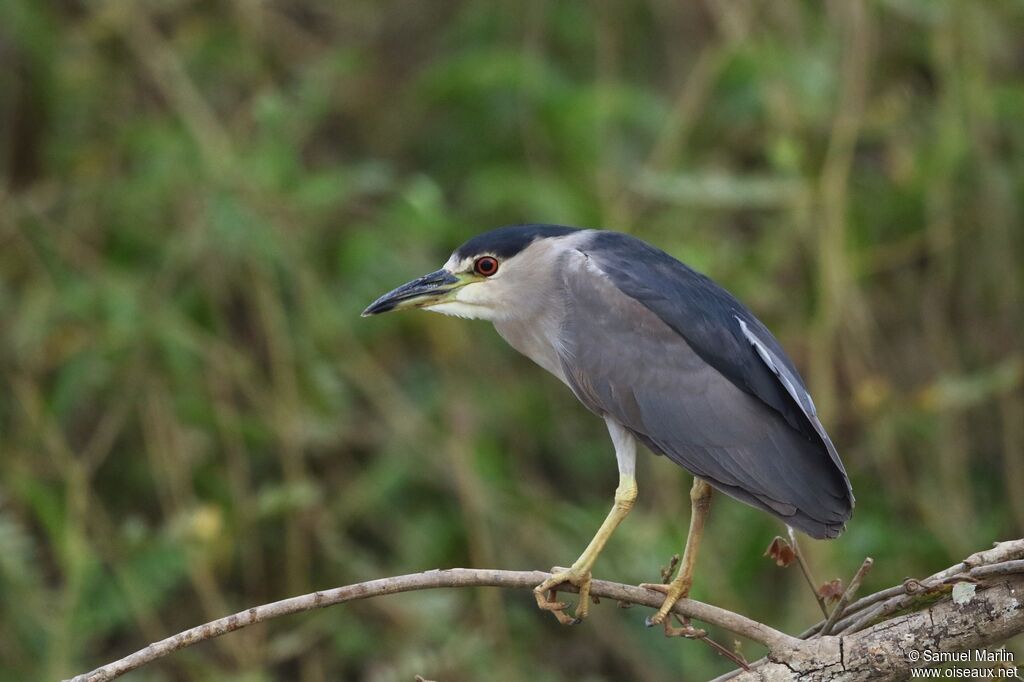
{"x":522,"y":288}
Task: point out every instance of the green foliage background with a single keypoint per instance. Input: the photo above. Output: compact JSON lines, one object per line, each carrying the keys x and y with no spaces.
{"x":198,"y":198}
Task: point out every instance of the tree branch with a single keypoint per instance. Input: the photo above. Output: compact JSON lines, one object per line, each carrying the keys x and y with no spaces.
{"x":775,"y":641}
{"x":871,"y":647}
{"x":888,"y":650}
{"x":881,"y":651}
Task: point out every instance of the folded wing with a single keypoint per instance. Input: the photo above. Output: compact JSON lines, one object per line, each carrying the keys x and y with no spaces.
{"x":689,"y":371}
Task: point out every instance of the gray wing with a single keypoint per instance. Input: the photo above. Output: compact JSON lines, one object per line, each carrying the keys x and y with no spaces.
{"x":623,"y":360}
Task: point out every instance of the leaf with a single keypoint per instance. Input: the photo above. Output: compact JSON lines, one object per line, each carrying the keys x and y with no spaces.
{"x":963,"y":593}
{"x":831,"y":591}
{"x":781,"y":552}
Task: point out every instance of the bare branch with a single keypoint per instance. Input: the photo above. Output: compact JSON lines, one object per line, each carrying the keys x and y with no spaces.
{"x":847,"y":596}
{"x":775,"y":641}
{"x":882,"y":651}
{"x":934,"y":629}
{"x":890,"y":649}
{"x":806,"y":570}
{"x":893,"y":599}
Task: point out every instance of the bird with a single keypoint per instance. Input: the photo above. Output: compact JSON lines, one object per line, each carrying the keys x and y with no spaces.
{"x":668,"y":359}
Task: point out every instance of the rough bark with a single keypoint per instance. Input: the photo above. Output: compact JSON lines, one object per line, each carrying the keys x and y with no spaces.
{"x":888,"y":650}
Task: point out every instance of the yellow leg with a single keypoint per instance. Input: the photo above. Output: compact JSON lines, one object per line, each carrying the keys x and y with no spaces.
{"x":579,"y":574}
{"x":700,"y":501}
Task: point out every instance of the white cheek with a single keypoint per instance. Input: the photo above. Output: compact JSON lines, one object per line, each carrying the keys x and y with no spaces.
{"x":457,"y":309}
{"x":472,"y":301}
{"x":474,"y":294}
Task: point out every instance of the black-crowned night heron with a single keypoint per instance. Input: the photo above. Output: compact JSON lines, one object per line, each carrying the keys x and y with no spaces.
{"x":667,"y":358}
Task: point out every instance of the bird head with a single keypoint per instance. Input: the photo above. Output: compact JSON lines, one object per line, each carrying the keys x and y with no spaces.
{"x":492,"y":276}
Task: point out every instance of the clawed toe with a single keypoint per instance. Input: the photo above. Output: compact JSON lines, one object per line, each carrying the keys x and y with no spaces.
{"x":687,"y":631}
{"x":546,"y":592}
{"x":673,"y":593}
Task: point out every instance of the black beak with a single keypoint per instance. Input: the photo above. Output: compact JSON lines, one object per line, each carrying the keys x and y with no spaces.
{"x":420,"y":292}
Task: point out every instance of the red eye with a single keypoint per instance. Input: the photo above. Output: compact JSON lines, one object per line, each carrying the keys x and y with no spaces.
{"x":485,"y":266}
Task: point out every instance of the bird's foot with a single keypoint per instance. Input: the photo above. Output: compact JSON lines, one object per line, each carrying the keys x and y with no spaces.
{"x":546,"y":592}
{"x":673,"y":592}
{"x":685,"y":630}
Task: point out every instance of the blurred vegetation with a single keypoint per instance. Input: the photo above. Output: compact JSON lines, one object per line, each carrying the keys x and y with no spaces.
{"x":198,"y":198}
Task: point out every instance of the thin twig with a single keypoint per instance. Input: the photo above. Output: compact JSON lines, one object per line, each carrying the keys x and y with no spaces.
{"x":721,"y":650}
{"x":1005,"y":558}
{"x":1005,"y":568}
{"x":851,"y":590}
{"x":868,"y":617}
{"x":775,"y":641}
{"x":912,"y":589}
{"x":1002,"y":553}
{"x":857,"y":607}
{"x":806,"y":570}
